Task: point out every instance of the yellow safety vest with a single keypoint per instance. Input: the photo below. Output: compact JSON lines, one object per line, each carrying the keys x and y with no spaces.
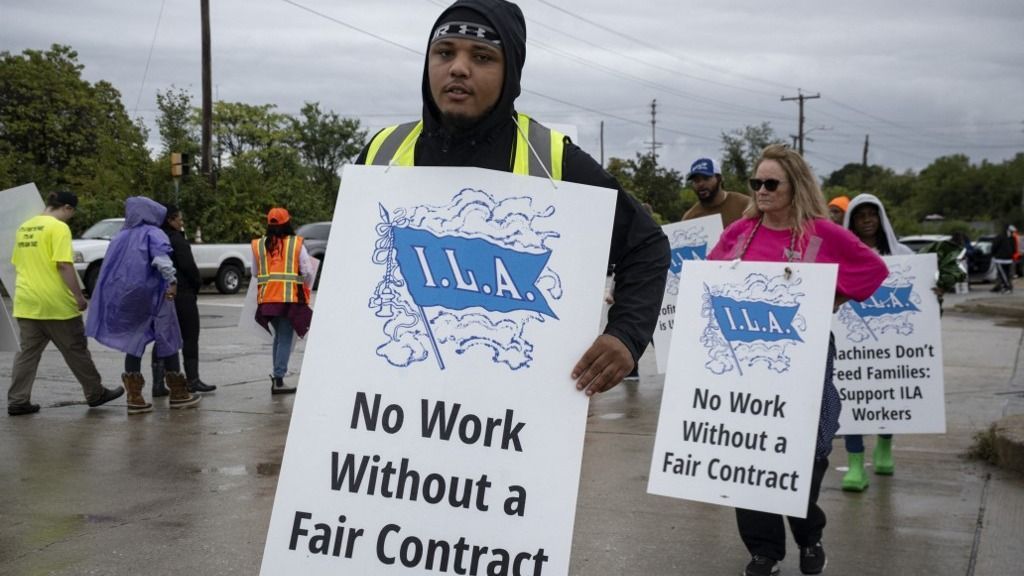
{"x":397,"y":145}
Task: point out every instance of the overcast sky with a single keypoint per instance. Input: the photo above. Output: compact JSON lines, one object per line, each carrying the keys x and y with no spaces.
{"x":923,"y":78}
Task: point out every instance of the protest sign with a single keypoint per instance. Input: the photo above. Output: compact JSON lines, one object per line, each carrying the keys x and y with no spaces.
{"x":888,"y":366}
{"x":436,"y":427}
{"x":689,"y":240}
{"x":740,"y":408}
{"x":20,"y":203}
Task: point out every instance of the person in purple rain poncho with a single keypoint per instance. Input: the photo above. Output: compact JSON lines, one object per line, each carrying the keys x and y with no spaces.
{"x":133,"y":303}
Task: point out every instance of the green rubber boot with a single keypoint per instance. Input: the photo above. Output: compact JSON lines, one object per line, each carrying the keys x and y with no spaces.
{"x":882,"y":457}
{"x":856,"y":479}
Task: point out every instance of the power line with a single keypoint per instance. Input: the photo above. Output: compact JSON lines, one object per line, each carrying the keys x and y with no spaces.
{"x":659,"y":50}
{"x":149,"y":58}
{"x":524,"y":90}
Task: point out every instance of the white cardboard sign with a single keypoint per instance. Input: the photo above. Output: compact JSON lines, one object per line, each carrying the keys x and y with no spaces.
{"x":888,"y":366}
{"x":19,"y":204}
{"x":436,"y":426}
{"x":688,"y":240}
{"x":740,"y":409}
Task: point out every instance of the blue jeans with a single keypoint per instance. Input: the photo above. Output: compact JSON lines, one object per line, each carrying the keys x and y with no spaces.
{"x":283,"y":334}
{"x":855,"y":442}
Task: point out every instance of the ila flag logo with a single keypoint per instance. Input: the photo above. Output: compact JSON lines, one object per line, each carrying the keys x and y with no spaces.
{"x":684,"y":253}
{"x":890,"y":309}
{"x":749,"y":321}
{"x":467,"y":277}
{"x":458,"y":273}
{"x":752,"y":323}
{"x":886,"y":300}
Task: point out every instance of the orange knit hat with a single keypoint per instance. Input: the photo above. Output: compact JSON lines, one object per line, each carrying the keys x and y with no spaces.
{"x":841,"y":202}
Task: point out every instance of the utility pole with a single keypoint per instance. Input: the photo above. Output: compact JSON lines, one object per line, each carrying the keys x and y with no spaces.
{"x":800,"y":132}
{"x":654,"y":141}
{"x":602,"y":143}
{"x":864,"y":158}
{"x":205,"y":167}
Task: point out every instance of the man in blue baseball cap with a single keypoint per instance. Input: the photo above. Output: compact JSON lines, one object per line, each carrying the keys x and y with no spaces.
{"x":706,"y":180}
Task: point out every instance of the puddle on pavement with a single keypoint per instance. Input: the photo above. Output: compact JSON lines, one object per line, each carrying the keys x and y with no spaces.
{"x":260,"y":469}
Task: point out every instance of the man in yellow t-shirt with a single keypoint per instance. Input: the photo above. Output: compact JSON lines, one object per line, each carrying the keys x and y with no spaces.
{"x":48,"y":304}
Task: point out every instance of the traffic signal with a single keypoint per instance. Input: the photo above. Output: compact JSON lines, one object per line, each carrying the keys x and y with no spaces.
{"x":186,"y":164}
{"x":175,"y":165}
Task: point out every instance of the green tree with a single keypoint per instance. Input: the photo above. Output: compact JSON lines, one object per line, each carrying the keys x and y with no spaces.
{"x":325,"y":142}
{"x":740,"y":150}
{"x":60,"y":131}
{"x":656,"y":185}
{"x":243,"y":129}
{"x":177,"y":122}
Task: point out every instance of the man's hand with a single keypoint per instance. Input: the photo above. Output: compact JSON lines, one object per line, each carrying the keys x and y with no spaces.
{"x":172,"y":291}
{"x":603,"y":366}
{"x":82,"y":302}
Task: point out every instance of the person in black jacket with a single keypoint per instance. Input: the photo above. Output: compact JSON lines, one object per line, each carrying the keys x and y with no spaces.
{"x":185,"y":304}
{"x":1003,"y":248}
{"x":471,"y":80}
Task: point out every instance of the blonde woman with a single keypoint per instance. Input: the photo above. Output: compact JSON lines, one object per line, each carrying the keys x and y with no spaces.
{"x":788,"y":222}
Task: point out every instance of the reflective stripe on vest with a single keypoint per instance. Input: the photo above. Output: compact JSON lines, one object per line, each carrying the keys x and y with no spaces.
{"x":397,"y":145}
{"x":278,"y":279}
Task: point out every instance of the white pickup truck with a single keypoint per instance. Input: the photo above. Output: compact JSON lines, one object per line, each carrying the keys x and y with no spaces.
{"x":227,"y":265}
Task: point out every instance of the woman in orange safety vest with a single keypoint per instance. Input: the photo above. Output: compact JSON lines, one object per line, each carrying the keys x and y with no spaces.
{"x":284,"y":271}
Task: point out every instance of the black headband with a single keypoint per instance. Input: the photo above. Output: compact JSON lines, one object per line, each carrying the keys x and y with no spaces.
{"x":469,"y":30}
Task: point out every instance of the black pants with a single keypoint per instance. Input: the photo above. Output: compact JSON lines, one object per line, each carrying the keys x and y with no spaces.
{"x":188,"y":322}
{"x":764,"y":533}
{"x":133,"y":364}
{"x":188,"y":319}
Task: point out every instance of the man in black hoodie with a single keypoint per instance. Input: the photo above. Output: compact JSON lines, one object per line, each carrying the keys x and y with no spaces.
{"x":471,"y":79}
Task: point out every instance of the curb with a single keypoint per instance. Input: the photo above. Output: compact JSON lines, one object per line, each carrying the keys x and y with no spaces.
{"x":990,"y":308}
{"x":1009,"y":443}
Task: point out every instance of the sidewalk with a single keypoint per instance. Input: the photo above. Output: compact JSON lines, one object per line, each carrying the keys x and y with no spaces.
{"x":190,"y":492}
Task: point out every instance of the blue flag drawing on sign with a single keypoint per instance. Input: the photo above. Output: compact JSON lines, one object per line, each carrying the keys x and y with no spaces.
{"x":467,"y":276}
{"x":749,"y":321}
{"x":683,"y":253}
{"x":458,"y":273}
{"x":753,"y":323}
{"x":890,"y":309}
{"x":886,"y":300}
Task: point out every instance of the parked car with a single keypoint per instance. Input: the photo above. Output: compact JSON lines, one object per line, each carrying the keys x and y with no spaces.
{"x":314,"y":237}
{"x":978,"y":264}
{"x":226,"y":265}
{"x":982,"y":267}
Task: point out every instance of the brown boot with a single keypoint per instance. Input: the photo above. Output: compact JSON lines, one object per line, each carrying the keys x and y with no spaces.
{"x":180,"y":396}
{"x":133,"y":385}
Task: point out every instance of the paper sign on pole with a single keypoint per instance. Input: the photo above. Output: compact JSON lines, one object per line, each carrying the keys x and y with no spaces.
{"x":689,"y":240}
{"x":740,"y":409}
{"x":888,"y":366}
{"x":436,"y":427}
{"x":19,"y":204}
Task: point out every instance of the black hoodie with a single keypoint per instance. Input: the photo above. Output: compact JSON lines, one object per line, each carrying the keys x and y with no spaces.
{"x":639,"y":250}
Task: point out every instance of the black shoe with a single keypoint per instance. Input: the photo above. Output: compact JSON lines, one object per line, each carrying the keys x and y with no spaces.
{"x":198,"y":385}
{"x":277,"y":386}
{"x":812,"y":559}
{"x":108,"y":395}
{"x":762,"y":566}
{"x":22,"y":409}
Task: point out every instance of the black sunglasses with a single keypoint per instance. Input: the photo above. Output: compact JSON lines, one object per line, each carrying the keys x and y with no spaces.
{"x":770,"y":184}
